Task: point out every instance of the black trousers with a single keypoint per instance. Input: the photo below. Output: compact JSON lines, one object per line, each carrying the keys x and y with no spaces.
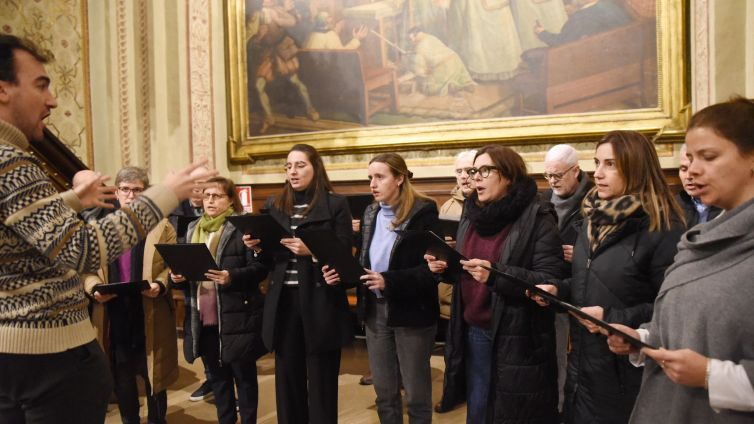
{"x":127,"y":366}
{"x":306,"y":385}
{"x":225,"y":376}
{"x":67,"y":387}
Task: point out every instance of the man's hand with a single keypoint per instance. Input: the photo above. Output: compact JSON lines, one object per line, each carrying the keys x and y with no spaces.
{"x":183,"y":181}
{"x":92,"y":191}
{"x":153,"y":290}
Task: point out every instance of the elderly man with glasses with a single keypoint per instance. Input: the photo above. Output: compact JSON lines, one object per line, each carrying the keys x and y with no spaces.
{"x":568,"y":186}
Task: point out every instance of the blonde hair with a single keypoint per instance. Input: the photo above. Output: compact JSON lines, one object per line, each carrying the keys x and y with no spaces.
{"x":408,"y":194}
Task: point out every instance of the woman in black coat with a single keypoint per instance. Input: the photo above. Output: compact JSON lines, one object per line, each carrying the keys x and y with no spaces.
{"x":399,"y":298}
{"x":628,"y":238}
{"x":501,"y":347}
{"x":223,"y":322}
{"x":306,"y":320}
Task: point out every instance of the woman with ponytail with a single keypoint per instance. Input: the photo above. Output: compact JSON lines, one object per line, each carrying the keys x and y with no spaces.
{"x":223,"y":320}
{"x":399,"y":296}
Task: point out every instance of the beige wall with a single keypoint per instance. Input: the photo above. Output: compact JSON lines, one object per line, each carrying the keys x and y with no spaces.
{"x":158,"y":83}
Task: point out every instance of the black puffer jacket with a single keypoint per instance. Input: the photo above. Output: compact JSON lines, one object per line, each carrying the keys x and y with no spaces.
{"x":524,"y":369}
{"x":324,"y":308}
{"x":239,"y":303}
{"x":623,"y":276}
{"x":410,"y":288}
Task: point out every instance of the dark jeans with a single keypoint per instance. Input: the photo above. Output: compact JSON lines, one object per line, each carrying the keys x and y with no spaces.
{"x":395,"y":354}
{"x":125,"y":369}
{"x":67,"y":387}
{"x":225,"y":376}
{"x":306,"y":384}
{"x":478,"y":369}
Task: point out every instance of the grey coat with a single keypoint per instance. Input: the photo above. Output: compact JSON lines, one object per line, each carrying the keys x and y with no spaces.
{"x":704,"y":305}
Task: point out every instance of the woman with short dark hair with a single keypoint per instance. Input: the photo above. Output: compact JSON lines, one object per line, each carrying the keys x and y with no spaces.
{"x":223,"y":320}
{"x":501,"y":347}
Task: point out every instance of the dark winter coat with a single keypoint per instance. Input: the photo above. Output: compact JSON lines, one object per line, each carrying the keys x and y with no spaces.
{"x":689,"y":209}
{"x":623,"y":276}
{"x":410,"y":288}
{"x":523,"y":387}
{"x":239,"y":303}
{"x":324,"y":308}
{"x":570,"y":224}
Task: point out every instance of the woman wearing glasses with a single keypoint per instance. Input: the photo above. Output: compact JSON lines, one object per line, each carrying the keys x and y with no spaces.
{"x":629,"y":235}
{"x":224,"y":320}
{"x":502,"y":346}
{"x":306,"y":320}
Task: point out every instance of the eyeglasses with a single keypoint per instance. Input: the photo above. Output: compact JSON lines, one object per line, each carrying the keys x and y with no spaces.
{"x":557,"y":176}
{"x":128,"y":190}
{"x":460,"y":171}
{"x":483,"y":170}
{"x":214,"y":196}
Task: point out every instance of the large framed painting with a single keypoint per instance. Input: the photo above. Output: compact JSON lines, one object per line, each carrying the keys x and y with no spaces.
{"x":417,"y":74}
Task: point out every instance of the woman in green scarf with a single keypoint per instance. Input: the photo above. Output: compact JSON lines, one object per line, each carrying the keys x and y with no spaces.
{"x":224,"y":313}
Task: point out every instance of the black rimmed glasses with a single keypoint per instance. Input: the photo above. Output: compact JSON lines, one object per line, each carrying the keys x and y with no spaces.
{"x":483,"y":171}
{"x":129,"y":190}
{"x":557,"y":176}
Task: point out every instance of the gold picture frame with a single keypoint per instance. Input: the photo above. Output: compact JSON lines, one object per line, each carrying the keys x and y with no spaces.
{"x":664,"y":118}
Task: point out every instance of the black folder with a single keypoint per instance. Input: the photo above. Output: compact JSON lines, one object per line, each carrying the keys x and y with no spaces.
{"x":263,"y":227}
{"x":182,"y":223}
{"x":191,"y":260}
{"x":357,"y":204}
{"x":125,"y":288}
{"x":328,"y":250}
{"x":573,"y":310}
{"x":448,"y":228}
{"x":435,"y":246}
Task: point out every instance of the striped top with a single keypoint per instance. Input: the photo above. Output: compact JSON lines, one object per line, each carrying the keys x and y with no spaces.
{"x":291,"y":273}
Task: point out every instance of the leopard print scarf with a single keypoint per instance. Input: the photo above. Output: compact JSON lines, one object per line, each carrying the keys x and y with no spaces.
{"x":605,"y":217}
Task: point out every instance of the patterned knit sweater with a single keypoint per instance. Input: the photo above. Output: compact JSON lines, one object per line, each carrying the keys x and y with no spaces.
{"x":44,"y":246}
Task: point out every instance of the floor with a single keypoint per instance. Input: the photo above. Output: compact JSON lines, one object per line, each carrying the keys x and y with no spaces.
{"x":356,"y":402}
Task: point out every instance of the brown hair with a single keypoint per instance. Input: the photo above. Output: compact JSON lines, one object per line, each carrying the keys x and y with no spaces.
{"x":638,"y":164}
{"x":408,"y":194}
{"x":732,"y":120}
{"x":317,"y":189}
{"x":8,"y":45}
{"x":510,"y":164}
{"x":229,"y":188}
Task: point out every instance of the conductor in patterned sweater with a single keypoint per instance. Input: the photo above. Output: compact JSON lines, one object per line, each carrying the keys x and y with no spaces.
{"x":52,"y":368}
